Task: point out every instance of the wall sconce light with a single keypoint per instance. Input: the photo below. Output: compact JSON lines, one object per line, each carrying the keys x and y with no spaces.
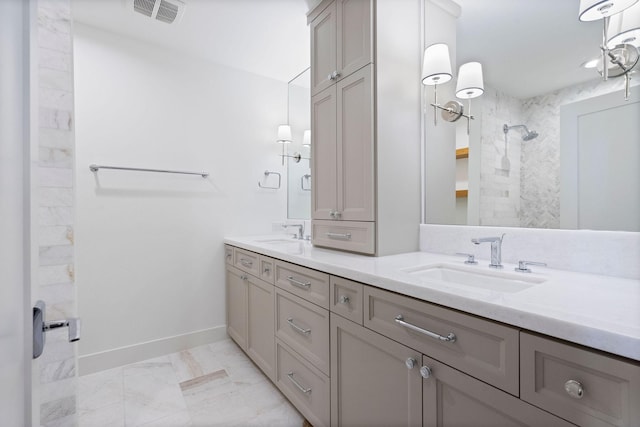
{"x":470,"y":85}
{"x":436,"y":69}
{"x":284,"y":137}
{"x":306,"y":138}
{"x":618,"y":56}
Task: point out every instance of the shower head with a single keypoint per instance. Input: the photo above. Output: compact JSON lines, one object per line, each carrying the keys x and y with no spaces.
{"x":530,"y":135}
{"x":527,"y":135}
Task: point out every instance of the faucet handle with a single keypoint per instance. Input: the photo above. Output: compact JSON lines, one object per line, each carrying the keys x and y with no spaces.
{"x":471,"y":258}
{"x":522,"y":266}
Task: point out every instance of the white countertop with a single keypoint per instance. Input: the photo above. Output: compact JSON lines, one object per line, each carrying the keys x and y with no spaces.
{"x":597,"y":311}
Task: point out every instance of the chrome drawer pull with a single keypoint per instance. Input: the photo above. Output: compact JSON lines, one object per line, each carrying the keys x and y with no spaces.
{"x":298,"y":328}
{"x":344,"y":300}
{"x":294,"y":282}
{"x":451,"y":337}
{"x":243,"y":277}
{"x":574,"y":389}
{"x":297,"y":384}
{"x":339,"y":236}
{"x":246,"y":262}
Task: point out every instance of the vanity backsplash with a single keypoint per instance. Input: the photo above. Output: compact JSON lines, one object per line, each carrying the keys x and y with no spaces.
{"x":611,"y":253}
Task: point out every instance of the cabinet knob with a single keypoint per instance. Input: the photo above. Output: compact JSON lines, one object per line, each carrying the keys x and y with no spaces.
{"x":334,"y":75}
{"x":574,"y":389}
{"x":344,"y":299}
{"x":425,"y":371}
{"x":410,"y":363}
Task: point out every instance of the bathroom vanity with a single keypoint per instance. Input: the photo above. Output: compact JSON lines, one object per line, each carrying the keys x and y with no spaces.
{"x":423,"y":339}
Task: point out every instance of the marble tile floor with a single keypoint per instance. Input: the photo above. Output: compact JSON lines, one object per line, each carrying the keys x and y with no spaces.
{"x":206,"y":386}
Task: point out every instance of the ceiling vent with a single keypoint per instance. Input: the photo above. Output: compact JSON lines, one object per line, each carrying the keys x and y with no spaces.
{"x":168,"y":11}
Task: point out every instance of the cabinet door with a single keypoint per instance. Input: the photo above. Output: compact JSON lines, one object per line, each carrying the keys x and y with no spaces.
{"x":454,"y":399}
{"x":355,"y":146}
{"x":237,"y":306}
{"x":370,"y":382}
{"x":260,"y":325}
{"x":323,"y":154}
{"x":354,"y":37}
{"x":323,"y":49}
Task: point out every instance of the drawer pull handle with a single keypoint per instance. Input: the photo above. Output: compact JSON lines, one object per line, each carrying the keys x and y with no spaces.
{"x":246,"y":262}
{"x":297,"y":384}
{"x":339,"y":236}
{"x":266,"y":270}
{"x":243,"y":277}
{"x":451,"y":337}
{"x":298,"y":328}
{"x":344,"y":300}
{"x":294,"y":282}
{"x":574,"y":389}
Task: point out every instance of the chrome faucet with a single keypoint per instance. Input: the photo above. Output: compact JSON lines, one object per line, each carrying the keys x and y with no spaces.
{"x":496,"y":249}
{"x":300,"y":235}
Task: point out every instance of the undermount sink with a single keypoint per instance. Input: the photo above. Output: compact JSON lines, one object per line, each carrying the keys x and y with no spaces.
{"x":499,"y":281}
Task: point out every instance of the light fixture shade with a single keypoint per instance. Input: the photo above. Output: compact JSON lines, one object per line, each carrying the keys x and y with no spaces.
{"x":284,"y":134}
{"x":470,"y":83}
{"x":625,"y":27}
{"x":306,"y":138}
{"x":436,"y":67}
{"x":592,"y":10}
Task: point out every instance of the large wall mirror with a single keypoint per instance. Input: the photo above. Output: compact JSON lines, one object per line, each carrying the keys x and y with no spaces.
{"x":299,"y":173}
{"x":569,"y":154}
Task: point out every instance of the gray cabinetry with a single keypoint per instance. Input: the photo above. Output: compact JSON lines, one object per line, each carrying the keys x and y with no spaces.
{"x":237,"y":306}
{"x":341,"y":40}
{"x":250,"y":313}
{"x":580,"y":385}
{"x":482,"y":348}
{"x":343,"y":160}
{"x":347,"y":354}
{"x":453,"y":399}
{"x":365,"y":125}
{"x":371,"y":384}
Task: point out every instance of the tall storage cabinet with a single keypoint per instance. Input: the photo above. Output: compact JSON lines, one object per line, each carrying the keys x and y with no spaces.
{"x":358,"y":69}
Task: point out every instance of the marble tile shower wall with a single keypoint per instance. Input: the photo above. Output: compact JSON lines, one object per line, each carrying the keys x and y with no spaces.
{"x":527,"y":193}
{"x":500,"y":167}
{"x":55,"y":206}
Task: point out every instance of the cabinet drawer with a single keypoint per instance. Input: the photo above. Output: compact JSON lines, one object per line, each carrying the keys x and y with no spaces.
{"x":247,"y":261}
{"x":354,"y":236}
{"x":483,"y":349}
{"x":228,"y":254}
{"x":610,"y":387}
{"x":306,"y":387}
{"x":461,"y":400}
{"x":304,"y":327}
{"x":303,"y":282}
{"x":267,"y":269}
{"x":346,"y":298}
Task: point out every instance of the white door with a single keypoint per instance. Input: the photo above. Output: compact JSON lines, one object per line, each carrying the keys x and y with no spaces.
{"x":15,"y":310}
{"x":600,"y":178}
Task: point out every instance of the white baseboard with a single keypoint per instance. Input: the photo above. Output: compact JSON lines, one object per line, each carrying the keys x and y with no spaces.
{"x":103,"y":360}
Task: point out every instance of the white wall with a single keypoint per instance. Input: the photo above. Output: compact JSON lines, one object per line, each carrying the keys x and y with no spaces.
{"x":149,"y":246}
